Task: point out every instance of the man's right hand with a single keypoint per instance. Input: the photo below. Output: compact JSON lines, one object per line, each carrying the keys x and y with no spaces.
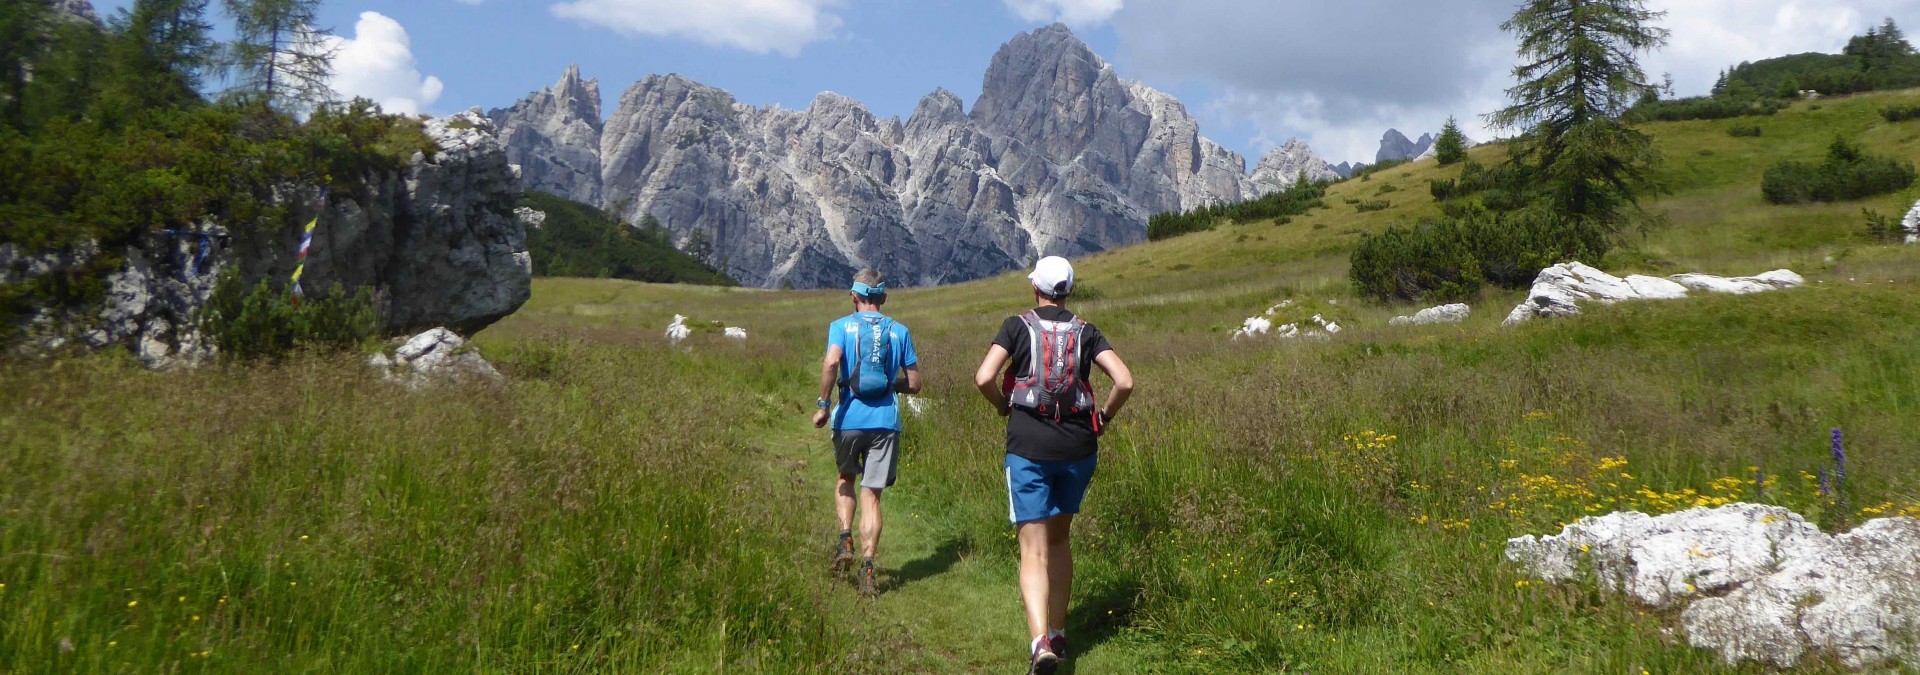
{"x":820,"y":418}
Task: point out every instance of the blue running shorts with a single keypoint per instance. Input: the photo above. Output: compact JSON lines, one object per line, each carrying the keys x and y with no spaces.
{"x":1040,"y":490}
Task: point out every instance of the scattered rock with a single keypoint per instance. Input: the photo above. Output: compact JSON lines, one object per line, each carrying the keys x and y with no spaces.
{"x":1760,"y":583}
{"x":1315,"y":326}
{"x":736,"y":333}
{"x":434,"y":357}
{"x":1561,"y":289}
{"x":678,"y":330}
{"x":1454,"y":313}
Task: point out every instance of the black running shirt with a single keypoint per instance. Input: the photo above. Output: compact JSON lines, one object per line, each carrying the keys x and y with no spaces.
{"x":1040,"y":438}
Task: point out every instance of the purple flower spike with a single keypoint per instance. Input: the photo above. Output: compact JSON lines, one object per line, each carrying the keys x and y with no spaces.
{"x":1839,"y":456}
{"x":1823,"y":482}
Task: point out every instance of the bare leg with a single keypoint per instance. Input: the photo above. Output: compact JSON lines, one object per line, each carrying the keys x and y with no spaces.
{"x":843,"y":500}
{"x":1059,"y":569}
{"x":869,"y":523}
{"x":1034,"y":577}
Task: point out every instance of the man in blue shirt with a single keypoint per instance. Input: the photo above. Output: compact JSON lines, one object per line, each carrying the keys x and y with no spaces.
{"x":867,"y":353}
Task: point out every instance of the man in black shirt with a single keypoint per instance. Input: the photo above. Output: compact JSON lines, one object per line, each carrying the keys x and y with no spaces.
{"x":1053,"y":440}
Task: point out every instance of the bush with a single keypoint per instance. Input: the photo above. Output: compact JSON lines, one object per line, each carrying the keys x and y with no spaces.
{"x":1279,"y":206}
{"x":1900,"y":113}
{"x":1744,"y":131}
{"x":1443,"y":189}
{"x":1882,"y":228}
{"x":264,"y":322}
{"x":1431,"y":261}
{"x":1704,"y":108}
{"x":1372,"y":205}
{"x":1849,"y":173}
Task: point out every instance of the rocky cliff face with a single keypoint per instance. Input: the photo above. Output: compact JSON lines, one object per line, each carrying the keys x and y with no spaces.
{"x":1059,"y":156}
{"x":437,"y":241}
{"x":1283,"y":166}
{"x":553,"y":135}
{"x":1395,"y":146}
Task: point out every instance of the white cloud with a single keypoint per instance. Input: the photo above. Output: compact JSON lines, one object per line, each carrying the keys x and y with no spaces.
{"x":1339,"y":74}
{"x":377,"y":63}
{"x":1076,"y":12}
{"x":758,"y":26}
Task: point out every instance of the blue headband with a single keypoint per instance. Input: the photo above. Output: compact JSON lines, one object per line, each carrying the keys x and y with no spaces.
{"x":866,"y":291}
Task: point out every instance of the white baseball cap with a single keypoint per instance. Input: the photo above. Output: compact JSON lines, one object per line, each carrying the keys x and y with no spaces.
{"x":1053,"y":276}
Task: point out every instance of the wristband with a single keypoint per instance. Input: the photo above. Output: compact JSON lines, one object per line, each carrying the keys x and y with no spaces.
{"x":824,"y":404}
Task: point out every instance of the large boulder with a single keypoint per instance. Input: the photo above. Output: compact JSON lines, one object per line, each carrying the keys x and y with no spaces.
{"x":1758,"y":583}
{"x":1561,"y":289}
{"x":434,"y":357}
{"x":1912,"y":224}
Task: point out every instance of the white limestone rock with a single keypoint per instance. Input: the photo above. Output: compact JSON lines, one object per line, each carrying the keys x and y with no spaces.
{"x":1759,"y":583}
{"x":1561,"y":289}
{"x":438,"y":356}
{"x":531,"y":219}
{"x":678,"y":330}
{"x":736,"y":333}
{"x":1454,"y":313}
{"x":554,"y":136}
{"x":1253,"y":327}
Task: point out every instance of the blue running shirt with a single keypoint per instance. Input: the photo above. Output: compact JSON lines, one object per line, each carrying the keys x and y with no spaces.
{"x":856,"y":415}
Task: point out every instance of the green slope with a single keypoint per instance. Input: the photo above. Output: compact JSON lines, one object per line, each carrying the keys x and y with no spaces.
{"x":578,"y":240}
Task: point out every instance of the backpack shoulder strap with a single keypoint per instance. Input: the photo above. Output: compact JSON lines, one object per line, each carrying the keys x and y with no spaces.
{"x":1036,"y":358}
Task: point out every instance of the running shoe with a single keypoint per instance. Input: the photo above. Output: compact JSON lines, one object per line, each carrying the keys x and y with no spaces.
{"x":869,"y":579}
{"x":1045,"y":661}
{"x":843,"y":554}
{"x":1059,"y":645}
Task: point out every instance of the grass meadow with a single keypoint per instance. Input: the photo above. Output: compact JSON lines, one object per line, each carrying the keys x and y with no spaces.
{"x":622,"y":505}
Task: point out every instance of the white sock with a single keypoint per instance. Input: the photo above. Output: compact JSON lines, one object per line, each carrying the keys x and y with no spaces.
{"x":1036,"y":645}
{"x":1056,"y":634}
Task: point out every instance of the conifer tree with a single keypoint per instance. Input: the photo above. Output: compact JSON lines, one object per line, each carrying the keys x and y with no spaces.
{"x":165,"y":49}
{"x":1579,"y":72}
{"x":24,"y":26}
{"x":281,"y":58}
{"x":1451,"y":147}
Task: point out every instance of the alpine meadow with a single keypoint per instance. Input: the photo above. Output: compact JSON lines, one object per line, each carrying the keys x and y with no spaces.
{"x":556,"y":486}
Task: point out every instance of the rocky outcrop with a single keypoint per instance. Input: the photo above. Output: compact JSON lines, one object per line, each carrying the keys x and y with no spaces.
{"x":1758,"y":583}
{"x":1396,"y":147}
{"x":1347,"y":169}
{"x":1287,"y":164}
{"x":1561,"y":289}
{"x":438,"y":242}
{"x":553,"y":135}
{"x":1454,"y":313}
{"x":1059,"y":156}
{"x":437,"y":356}
{"x":1291,"y":319}
{"x":77,"y":9}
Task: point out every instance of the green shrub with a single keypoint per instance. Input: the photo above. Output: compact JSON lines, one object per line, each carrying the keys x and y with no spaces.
{"x":263,"y":321}
{"x":1387,"y":189}
{"x":1443,"y":189}
{"x":1704,"y":108}
{"x":1849,"y":173}
{"x":1900,"y":113}
{"x":1882,"y":228}
{"x":1744,"y":131}
{"x":1279,"y":206}
{"x":1431,"y":261}
{"x":1372,"y":205}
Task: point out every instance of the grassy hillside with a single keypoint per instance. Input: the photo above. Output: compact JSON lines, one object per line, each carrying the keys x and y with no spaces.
{"x":578,"y":240}
{"x":1331,"y":506}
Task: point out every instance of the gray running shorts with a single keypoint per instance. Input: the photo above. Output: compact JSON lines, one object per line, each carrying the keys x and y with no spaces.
{"x":873,"y":454}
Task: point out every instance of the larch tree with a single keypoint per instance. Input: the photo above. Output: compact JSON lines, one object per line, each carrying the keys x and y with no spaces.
{"x":1579,"y":72}
{"x":279,"y":56}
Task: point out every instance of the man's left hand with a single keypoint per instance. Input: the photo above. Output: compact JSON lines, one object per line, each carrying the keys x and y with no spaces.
{"x":820,"y":418}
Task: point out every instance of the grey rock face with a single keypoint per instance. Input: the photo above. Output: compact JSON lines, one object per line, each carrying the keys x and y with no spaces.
{"x":1059,"y":156}
{"x":553,"y":135}
{"x":79,"y":9}
{"x":1347,"y":169}
{"x":1283,"y":166}
{"x":439,"y":242}
{"x":1395,"y":146}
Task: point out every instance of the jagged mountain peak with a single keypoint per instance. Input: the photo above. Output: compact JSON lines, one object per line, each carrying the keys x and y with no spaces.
{"x":1283,"y":166}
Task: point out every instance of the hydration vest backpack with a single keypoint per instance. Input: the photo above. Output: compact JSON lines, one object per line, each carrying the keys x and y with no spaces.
{"x":1053,"y":385}
{"x":871,"y":378}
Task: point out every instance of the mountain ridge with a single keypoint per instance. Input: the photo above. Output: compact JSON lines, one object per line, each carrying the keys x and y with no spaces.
{"x":1057,"y":156}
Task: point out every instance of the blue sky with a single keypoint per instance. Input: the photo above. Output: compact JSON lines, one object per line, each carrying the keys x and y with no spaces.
{"x":1254,"y":72}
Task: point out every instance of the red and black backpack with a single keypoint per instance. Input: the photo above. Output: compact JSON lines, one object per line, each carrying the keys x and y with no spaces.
{"x":1053,"y":385}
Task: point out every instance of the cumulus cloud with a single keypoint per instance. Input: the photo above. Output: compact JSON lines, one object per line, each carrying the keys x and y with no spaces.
{"x":758,"y":26}
{"x":377,"y":63}
{"x":1339,"y":74}
{"x":1076,"y":12}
